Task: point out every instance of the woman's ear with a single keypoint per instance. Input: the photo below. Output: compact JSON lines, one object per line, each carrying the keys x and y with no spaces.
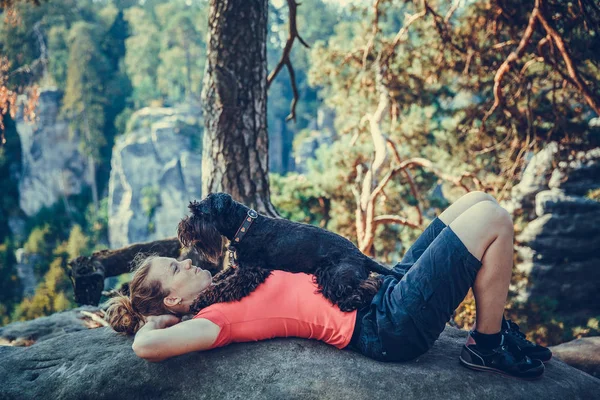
{"x":172,"y":301}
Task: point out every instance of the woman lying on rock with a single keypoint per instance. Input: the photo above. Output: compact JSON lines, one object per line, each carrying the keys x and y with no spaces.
{"x":470,"y":245}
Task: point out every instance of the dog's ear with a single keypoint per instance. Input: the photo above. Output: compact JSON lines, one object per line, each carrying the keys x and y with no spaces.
{"x":221,"y":202}
{"x":201,"y":234}
{"x":199,"y":208}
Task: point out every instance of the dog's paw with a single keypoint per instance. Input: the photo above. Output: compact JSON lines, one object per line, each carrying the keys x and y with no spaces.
{"x":351,"y":303}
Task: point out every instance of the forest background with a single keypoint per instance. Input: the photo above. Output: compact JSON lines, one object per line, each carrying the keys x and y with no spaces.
{"x":429,"y":100}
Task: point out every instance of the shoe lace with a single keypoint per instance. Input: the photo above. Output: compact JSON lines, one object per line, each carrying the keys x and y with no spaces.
{"x":516,"y":332}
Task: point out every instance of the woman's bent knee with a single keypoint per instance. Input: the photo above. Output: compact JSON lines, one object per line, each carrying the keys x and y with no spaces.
{"x":478,"y":196}
{"x":480,"y":225}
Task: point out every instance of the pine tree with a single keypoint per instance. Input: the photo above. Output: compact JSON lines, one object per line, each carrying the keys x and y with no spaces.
{"x":85,"y":94}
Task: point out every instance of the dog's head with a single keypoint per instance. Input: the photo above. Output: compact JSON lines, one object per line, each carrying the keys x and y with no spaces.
{"x":201,"y":229}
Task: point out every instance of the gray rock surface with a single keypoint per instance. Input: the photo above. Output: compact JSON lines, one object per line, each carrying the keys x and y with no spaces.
{"x":100,"y":364}
{"x":559,"y":248}
{"x":24,"y":267}
{"x":557,"y":202}
{"x":155,"y":172}
{"x":583,"y":354}
{"x":52,"y":164}
{"x":579,"y":174}
{"x":534,"y":178}
{"x":28,"y":332}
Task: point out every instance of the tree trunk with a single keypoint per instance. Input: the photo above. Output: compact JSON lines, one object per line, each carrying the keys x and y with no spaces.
{"x":234,"y":101}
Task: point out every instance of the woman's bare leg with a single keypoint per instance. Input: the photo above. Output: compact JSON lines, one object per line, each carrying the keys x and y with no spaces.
{"x":486,"y":229}
{"x":462,"y":204}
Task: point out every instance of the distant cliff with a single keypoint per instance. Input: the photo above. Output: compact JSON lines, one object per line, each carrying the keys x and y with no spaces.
{"x":53,"y":166}
{"x":155,"y":172}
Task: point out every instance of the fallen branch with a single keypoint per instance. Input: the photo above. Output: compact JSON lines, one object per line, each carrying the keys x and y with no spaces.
{"x":88,"y":273}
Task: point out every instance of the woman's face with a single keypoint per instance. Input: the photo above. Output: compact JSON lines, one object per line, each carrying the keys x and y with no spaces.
{"x":181,"y":279}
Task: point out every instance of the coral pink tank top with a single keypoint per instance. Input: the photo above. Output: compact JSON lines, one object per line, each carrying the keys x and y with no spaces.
{"x":285,"y":305}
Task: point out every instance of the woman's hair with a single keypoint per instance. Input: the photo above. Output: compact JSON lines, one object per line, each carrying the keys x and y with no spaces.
{"x":126,"y":313}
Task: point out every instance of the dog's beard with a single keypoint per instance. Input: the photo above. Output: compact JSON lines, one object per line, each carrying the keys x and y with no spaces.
{"x":203,"y":236}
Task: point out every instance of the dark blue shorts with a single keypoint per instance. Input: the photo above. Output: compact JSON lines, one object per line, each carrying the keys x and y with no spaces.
{"x":406,"y":317}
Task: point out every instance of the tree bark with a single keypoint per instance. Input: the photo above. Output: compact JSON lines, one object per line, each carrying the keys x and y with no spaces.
{"x":88,"y":273}
{"x":234,"y":101}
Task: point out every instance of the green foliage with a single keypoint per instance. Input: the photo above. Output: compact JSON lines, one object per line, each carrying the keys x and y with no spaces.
{"x":10,"y":166}
{"x":53,"y":294}
{"x":298,"y":199}
{"x":77,"y":244}
{"x":39,"y":241}
{"x":593,"y":195}
{"x":84,"y":95}
{"x":166,"y":51}
{"x":10,"y":285}
{"x":150,"y":201}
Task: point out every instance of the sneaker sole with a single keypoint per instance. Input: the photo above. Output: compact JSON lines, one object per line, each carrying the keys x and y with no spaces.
{"x":488,"y":369}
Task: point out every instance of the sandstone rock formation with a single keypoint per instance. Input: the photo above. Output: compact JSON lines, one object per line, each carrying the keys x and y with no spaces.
{"x":100,"y":364}
{"x":29,"y":332}
{"x":155,"y":172}
{"x":583,"y":354}
{"x":559,"y":248}
{"x":53,"y":167}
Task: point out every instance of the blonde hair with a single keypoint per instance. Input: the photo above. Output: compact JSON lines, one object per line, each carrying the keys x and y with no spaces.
{"x":126,"y":313}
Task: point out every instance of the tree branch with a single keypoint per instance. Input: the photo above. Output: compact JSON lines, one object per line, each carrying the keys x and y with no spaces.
{"x":562,"y":47}
{"x":395,"y":219}
{"x":285,"y":57}
{"x":506,"y":65}
{"x":374,"y":31}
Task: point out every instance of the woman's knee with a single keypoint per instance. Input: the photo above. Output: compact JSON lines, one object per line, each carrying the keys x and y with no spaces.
{"x":478,"y":226}
{"x":463,"y":204}
{"x":500,"y":219}
{"x":477,"y":196}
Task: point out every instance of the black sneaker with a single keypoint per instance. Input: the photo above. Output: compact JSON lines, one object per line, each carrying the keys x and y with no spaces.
{"x":500,"y":360}
{"x":517,"y":342}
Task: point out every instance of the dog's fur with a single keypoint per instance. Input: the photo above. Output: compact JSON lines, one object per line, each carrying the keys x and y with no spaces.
{"x":340,"y":269}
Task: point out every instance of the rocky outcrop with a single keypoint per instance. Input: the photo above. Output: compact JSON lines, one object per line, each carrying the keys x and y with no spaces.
{"x":534,"y":178}
{"x":155,"y":172}
{"x":100,"y":364}
{"x":583,"y":354}
{"x":25,"y":265}
{"x":559,"y":248}
{"x":53,"y":166}
{"x":29,"y":332}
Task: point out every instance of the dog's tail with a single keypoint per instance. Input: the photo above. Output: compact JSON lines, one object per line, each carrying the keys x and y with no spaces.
{"x":374,"y":266}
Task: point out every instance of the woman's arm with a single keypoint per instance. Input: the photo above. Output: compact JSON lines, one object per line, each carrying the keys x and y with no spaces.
{"x":163,"y":337}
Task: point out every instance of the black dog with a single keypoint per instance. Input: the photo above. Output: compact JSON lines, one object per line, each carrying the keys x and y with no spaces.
{"x":340,"y":269}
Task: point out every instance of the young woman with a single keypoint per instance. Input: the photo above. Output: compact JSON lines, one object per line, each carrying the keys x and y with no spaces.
{"x":469,"y":245}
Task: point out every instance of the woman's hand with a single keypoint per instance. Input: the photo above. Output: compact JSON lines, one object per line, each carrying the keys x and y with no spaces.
{"x":163,"y":321}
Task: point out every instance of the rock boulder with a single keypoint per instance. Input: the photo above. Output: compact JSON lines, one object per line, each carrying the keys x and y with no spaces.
{"x":27,"y":333}
{"x":100,"y":364}
{"x":583,"y":354}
